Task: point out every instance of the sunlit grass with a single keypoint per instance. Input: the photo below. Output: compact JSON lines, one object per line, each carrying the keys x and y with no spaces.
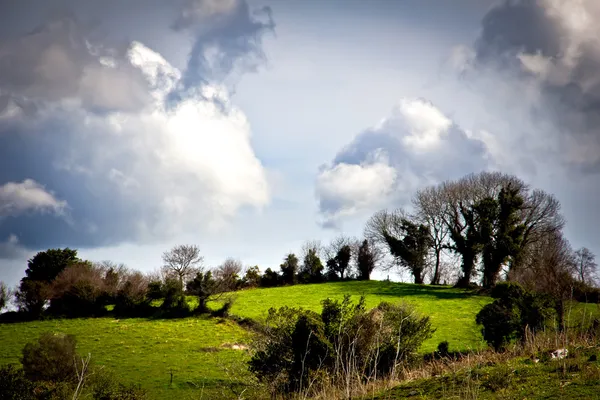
{"x":198,"y":350}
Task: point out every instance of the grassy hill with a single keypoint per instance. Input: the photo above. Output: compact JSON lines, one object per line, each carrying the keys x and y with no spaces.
{"x":200,"y":352}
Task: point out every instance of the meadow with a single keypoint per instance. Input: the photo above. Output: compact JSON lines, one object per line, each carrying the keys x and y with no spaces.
{"x":204,"y":357}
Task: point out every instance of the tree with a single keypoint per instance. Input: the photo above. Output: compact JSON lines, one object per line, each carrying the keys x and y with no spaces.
{"x":289,"y":269}
{"x":365,"y":261}
{"x":46,"y":265}
{"x":34,"y":290}
{"x":499,"y":230}
{"x":454,"y":202}
{"x":203,"y":286}
{"x":182,"y":261}
{"x":409,"y":242}
{"x":228,"y":274}
{"x":270,"y":278}
{"x":513,"y":312}
{"x":338,"y":255}
{"x":586,"y":265}
{"x":429,"y":209}
{"x":4,"y":295}
{"x":78,"y":291}
{"x":312,"y":268}
{"x":549,"y":266}
{"x":252,"y":277}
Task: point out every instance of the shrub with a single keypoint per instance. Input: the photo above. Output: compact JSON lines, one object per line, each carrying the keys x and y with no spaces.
{"x":289,"y":335}
{"x":344,"y":342}
{"x":202,"y":286}
{"x":77,"y":291}
{"x":513,"y":312}
{"x":174,"y":302}
{"x":270,"y":278}
{"x":50,"y":358}
{"x":223,"y":311}
{"x":14,"y":385}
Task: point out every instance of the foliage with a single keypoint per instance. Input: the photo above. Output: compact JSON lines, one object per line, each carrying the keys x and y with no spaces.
{"x":14,"y":385}
{"x":251,"y":277}
{"x":365,"y":261}
{"x":270,"y":278}
{"x":77,"y":291}
{"x":34,"y":290}
{"x":4,"y":295}
{"x":50,"y":358}
{"x":289,"y":269}
{"x":299,"y":348}
{"x":499,"y":230}
{"x":411,"y":248}
{"x":203,"y":286}
{"x":513,"y":312}
{"x":312,"y":268}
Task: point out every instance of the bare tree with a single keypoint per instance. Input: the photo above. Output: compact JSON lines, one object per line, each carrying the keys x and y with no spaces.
{"x":183,"y":261}
{"x":429,"y":210}
{"x":549,"y":266}
{"x":228,"y":274}
{"x":586,"y":265}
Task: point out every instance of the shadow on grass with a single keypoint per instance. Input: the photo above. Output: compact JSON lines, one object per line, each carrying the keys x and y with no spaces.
{"x":396,"y":289}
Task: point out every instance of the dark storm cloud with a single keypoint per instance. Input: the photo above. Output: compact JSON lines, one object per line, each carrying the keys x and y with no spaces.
{"x":555,"y":45}
{"x":225,"y":34}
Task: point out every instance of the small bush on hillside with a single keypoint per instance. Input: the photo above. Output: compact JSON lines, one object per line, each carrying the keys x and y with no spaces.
{"x":513,"y":312}
{"x":50,"y":358}
{"x":299,"y":349}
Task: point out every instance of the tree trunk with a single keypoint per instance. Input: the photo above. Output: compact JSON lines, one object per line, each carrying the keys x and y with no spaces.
{"x":435,"y":280}
{"x":418,"y":278}
{"x":467,"y":267}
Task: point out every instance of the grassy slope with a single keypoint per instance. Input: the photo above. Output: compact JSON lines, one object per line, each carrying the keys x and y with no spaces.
{"x":452,"y":311}
{"x":577,"y":377}
{"x":144,"y":351}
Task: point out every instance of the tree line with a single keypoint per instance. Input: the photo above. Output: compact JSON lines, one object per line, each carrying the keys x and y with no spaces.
{"x":495,"y":225}
{"x":58,"y":283}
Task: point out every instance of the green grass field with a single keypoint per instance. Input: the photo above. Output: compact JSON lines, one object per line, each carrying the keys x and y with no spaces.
{"x":199,"y":353}
{"x":198,"y":350}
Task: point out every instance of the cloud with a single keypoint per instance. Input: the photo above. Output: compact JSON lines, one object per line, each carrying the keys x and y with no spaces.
{"x":226,"y":35}
{"x":56,"y":62}
{"x":19,"y":198}
{"x":96,"y":125}
{"x":11,"y":249}
{"x":345,"y":189}
{"x":554,"y":47}
{"x":415,"y":146}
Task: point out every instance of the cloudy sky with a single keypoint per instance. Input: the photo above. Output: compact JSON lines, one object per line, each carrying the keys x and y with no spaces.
{"x":248,"y":127}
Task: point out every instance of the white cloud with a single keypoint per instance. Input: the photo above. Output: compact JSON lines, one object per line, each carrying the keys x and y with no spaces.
{"x":345,"y":189}
{"x":145,"y":174}
{"x":421,"y":145}
{"x":19,"y":198}
{"x":426,"y":123}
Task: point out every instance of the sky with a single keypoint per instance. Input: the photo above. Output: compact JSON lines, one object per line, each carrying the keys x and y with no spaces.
{"x":248,"y":127}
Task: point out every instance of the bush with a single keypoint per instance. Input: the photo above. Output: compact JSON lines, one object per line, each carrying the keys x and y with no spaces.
{"x":50,"y":358}
{"x":345,"y":341}
{"x":14,"y":385}
{"x":513,"y":312}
